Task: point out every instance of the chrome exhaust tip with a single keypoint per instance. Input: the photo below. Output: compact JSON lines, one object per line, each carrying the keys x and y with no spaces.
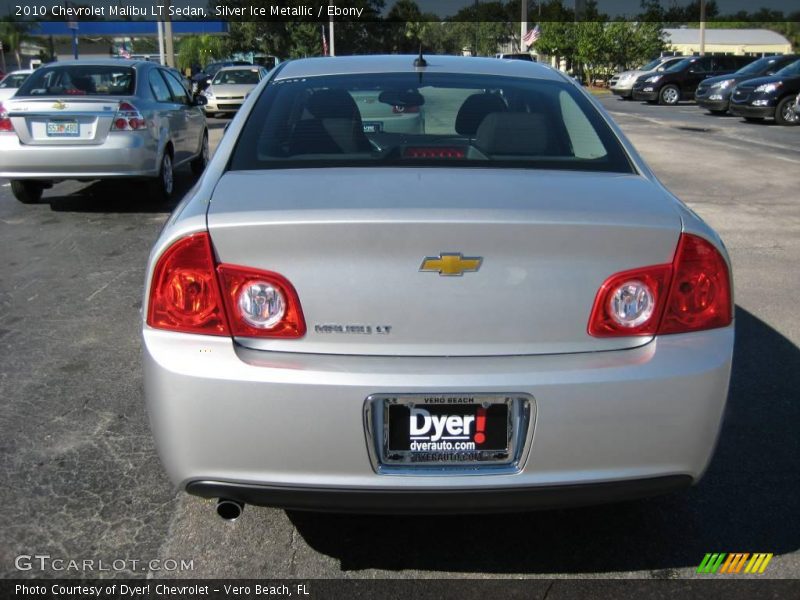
{"x":230,"y":510}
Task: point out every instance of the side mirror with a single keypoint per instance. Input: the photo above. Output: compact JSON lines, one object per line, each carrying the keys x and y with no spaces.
{"x":200,"y":100}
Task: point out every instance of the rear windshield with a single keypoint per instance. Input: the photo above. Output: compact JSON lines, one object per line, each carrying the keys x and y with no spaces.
{"x":426,"y":119}
{"x":80,"y":80}
{"x":14,"y":80}
{"x":236,"y":77}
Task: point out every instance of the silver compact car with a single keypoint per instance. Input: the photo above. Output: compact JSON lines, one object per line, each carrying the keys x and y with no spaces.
{"x":11,"y":83}
{"x":621,"y":84}
{"x":505,"y":310}
{"x":106,"y":119}
{"x":230,"y":87}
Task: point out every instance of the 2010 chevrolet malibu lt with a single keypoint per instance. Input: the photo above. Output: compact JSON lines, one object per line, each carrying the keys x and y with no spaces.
{"x":502,"y":310}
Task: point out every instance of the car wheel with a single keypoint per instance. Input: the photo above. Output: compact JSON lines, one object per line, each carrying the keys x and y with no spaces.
{"x":27,"y":192}
{"x":669,"y":95}
{"x":199,"y":163}
{"x":161,"y":187}
{"x":784,"y":112}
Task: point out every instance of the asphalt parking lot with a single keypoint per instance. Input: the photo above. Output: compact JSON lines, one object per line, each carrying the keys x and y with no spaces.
{"x":82,"y":479}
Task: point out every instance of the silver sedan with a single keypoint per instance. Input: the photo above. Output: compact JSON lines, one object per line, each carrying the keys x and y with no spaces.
{"x":105,"y":119}
{"x":502,"y":310}
{"x":230,"y":87}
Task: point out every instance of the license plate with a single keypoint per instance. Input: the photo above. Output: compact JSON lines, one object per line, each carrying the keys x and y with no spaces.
{"x":420,"y":429}
{"x":372,"y":126}
{"x":62,"y":129}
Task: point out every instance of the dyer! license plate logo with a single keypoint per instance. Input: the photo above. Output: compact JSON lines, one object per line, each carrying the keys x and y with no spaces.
{"x":447,"y":429}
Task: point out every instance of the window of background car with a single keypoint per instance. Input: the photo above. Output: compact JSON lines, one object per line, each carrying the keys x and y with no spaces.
{"x":177,"y":89}
{"x":80,"y":80}
{"x":757,"y":65}
{"x":433,"y":119}
{"x":236,"y":77}
{"x":651,"y":65}
{"x":14,"y":81}
{"x":790,"y":70}
{"x":159,"y":87}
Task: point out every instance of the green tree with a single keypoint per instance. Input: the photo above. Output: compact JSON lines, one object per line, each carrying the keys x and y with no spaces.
{"x":402,"y":32}
{"x":13,"y":33}
{"x":199,"y":50}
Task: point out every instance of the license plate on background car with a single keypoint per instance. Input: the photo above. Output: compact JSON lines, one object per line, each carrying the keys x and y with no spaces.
{"x":448,"y":429}
{"x":62,"y":129}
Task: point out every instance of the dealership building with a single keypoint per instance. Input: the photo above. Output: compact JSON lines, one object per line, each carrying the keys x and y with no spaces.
{"x":751,"y":42}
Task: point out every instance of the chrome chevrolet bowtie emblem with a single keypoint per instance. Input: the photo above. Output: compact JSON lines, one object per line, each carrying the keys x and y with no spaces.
{"x":451,"y":264}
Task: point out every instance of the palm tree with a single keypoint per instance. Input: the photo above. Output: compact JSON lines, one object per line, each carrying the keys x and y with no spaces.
{"x":198,"y":49}
{"x":13,"y":33}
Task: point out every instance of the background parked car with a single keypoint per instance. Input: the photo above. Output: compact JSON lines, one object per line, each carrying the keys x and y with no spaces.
{"x":230,"y":87}
{"x":104,"y":119}
{"x":769,"y":97}
{"x":679,"y":81}
{"x":621,"y":84}
{"x":515,"y":56}
{"x":201,"y":80}
{"x":714,"y":94}
{"x":11,"y":83}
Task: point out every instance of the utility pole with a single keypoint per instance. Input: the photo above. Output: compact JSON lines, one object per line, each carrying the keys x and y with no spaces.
{"x":523,"y":22}
{"x":168,"y":35}
{"x":160,"y":28}
{"x":332,"y":51}
{"x":702,"y":27}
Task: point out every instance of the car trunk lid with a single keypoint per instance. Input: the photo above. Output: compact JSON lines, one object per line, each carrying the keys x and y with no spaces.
{"x":62,"y":121}
{"x":352,"y":241}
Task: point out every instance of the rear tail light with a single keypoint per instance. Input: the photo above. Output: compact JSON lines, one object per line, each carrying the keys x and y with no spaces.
{"x":190,"y":294}
{"x":5,"y":121}
{"x":184,"y":292}
{"x":700,"y":296}
{"x":261,"y":303}
{"x":690,"y":294}
{"x":128,"y":118}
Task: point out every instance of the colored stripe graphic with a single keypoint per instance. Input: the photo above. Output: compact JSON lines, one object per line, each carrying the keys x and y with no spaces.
{"x":734,"y":563}
{"x":758,"y":563}
{"x":711,"y":563}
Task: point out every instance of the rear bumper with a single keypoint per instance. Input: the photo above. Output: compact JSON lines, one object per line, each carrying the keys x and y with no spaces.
{"x":122,"y":154}
{"x":289,"y":428}
{"x":446,"y":501}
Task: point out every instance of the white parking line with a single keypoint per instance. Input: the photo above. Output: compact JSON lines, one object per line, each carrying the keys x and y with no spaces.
{"x":787,"y":159}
